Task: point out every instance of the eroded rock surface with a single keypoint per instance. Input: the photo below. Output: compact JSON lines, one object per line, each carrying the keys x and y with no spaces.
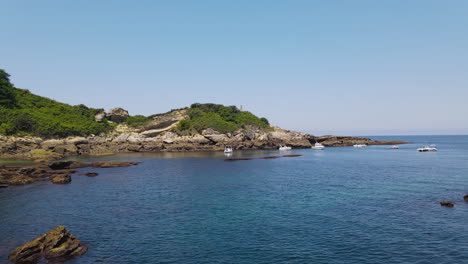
{"x":56,"y":245}
{"x":58,"y":172}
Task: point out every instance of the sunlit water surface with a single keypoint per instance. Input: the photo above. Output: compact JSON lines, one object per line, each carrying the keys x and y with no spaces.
{"x":340,"y":205}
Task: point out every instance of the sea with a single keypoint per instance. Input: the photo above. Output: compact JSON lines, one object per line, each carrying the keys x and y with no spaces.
{"x":338,"y":205}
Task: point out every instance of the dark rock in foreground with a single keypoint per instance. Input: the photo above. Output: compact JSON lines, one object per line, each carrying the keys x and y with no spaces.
{"x":465,"y":198}
{"x":447,"y":203}
{"x":57,"y":172}
{"x":56,"y":245}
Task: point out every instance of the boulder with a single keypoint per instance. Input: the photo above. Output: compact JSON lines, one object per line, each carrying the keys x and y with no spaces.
{"x":77,"y":140}
{"x":447,"y":203}
{"x":60,"y":165}
{"x":91,"y":174}
{"x":20,"y":180}
{"x":56,"y":245}
{"x":61,"y":179}
{"x":465,"y":198}
{"x":26,"y":170}
{"x":117,"y":115}
{"x":52,"y":143}
{"x":99,"y":117}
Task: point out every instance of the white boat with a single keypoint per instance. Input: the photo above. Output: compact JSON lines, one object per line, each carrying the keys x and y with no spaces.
{"x":395,"y":147}
{"x":228,"y":149}
{"x":427,"y":148}
{"x":284,"y":147}
{"x":359,"y":145}
{"x":318,"y":146}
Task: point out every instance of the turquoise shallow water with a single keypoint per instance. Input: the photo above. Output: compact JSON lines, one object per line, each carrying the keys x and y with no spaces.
{"x":340,"y":205}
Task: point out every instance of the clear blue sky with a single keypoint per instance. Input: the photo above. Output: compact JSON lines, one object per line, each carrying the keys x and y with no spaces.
{"x":341,"y":67}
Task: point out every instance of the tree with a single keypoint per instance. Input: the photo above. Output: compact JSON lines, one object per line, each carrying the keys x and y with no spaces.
{"x":7,"y":91}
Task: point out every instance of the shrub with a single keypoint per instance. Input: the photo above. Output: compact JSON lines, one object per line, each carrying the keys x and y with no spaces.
{"x":219,"y":117}
{"x":137,"y":120}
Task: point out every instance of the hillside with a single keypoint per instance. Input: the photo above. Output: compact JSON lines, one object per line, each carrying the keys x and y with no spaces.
{"x":23,"y":113}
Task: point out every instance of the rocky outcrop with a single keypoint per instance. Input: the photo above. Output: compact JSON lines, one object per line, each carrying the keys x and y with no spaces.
{"x":342,"y":141}
{"x":57,"y":245}
{"x":99,"y":117}
{"x":117,"y":115}
{"x":160,"y":133}
{"x":126,"y":139}
{"x":447,"y":204}
{"x":61,"y":179}
{"x":58,"y":172}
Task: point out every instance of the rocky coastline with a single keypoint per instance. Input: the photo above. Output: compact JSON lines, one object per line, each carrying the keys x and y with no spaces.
{"x":161,"y":134}
{"x":38,"y":149}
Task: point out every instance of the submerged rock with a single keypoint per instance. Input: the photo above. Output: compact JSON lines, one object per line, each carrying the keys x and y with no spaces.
{"x":56,"y":245}
{"x":91,"y":174}
{"x":60,"y":165}
{"x":61,"y":179}
{"x":447,"y":203}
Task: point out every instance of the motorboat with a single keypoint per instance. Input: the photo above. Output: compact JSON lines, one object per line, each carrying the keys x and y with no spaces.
{"x":318,"y":146}
{"x":395,"y":147}
{"x":284,"y":147}
{"x":359,"y":145}
{"x":428,"y":148}
{"x":228,"y":149}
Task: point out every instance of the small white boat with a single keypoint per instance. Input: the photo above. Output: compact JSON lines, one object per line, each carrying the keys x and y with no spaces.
{"x":359,"y":145}
{"x":395,"y":147}
{"x":228,"y":149}
{"x":427,"y":148}
{"x":318,"y":146}
{"x":284,"y":147}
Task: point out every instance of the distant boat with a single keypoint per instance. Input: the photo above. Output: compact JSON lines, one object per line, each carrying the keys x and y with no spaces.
{"x":228,"y":149}
{"x":318,"y":146}
{"x":428,"y":148}
{"x":359,"y":145}
{"x":284,"y":147}
{"x":395,"y":147}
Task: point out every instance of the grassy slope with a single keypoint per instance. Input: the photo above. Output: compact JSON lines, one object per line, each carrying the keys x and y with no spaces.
{"x":220,"y":118}
{"x":23,"y":113}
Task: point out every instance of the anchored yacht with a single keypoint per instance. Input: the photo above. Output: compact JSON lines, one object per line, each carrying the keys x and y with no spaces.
{"x":359,"y":145}
{"x":228,"y":149}
{"x":428,"y":148}
{"x":318,"y":146}
{"x":284,"y":147}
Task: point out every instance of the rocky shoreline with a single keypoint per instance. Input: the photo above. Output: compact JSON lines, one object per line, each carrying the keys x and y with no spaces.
{"x":126,"y":140}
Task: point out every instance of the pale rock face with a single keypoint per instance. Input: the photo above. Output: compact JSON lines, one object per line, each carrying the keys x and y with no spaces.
{"x":135,"y":139}
{"x":100,"y":116}
{"x":166,"y":120}
{"x":152,"y":132}
{"x":117,"y":114}
{"x":199,"y":139}
{"x":121,"y":138}
{"x":52,"y":143}
{"x":76,"y":140}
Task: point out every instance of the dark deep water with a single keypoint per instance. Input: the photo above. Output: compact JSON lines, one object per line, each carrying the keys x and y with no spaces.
{"x":340,"y":205}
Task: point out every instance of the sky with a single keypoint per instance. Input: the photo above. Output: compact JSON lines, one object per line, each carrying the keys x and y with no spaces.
{"x":324,"y":67}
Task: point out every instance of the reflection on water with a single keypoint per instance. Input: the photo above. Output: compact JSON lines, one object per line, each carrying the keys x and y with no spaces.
{"x":198,"y":154}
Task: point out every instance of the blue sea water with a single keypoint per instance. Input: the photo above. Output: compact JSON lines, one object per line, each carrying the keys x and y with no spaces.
{"x":339,"y":205}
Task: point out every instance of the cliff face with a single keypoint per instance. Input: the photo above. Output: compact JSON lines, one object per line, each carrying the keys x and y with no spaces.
{"x":125,"y":139}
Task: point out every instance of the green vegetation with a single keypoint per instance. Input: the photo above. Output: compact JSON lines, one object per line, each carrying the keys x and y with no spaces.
{"x":23,"y":113}
{"x":221,"y":118}
{"x":137,"y":120}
